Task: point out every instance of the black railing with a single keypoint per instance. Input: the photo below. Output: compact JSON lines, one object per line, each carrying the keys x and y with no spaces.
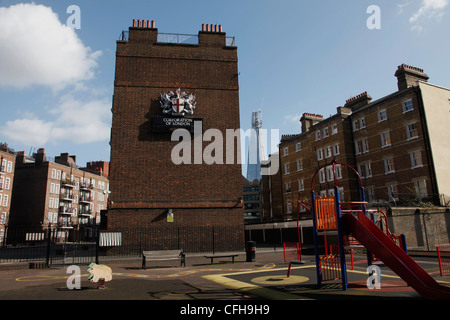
{"x":178,"y":38}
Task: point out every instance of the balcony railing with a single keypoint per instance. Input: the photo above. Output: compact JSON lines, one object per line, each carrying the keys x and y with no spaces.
{"x":66,"y":210}
{"x":85,"y":199}
{"x":67,"y":182}
{"x":179,"y":38}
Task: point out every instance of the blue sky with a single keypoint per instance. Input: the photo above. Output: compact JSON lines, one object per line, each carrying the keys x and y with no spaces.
{"x":56,"y":84}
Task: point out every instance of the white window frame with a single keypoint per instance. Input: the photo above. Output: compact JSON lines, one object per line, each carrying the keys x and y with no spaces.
{"x":385,"y":139}
{"x":408,"y":106}
{"x":382,"y":115}
{"x":389,"y":166}
{"x":412,"y":134}
{"x":299,"y":165}
{"x":416,"y":159}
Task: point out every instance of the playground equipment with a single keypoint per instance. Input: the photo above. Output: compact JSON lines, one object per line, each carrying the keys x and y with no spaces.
{"x":349,"y":222}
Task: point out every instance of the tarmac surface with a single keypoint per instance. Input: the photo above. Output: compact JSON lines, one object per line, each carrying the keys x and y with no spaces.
{"x":222,"y":285}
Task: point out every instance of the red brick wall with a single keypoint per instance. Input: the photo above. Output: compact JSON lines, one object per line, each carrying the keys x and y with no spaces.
{"x":144,"y":182}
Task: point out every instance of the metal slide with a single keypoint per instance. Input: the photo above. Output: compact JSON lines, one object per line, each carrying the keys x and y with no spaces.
{"x":378,"y":243}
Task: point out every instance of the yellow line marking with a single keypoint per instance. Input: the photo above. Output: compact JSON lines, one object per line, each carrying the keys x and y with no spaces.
{"x":252,"y":288}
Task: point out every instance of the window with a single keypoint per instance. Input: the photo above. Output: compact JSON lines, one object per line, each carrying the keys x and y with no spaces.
{"x":1,"y":197}
{"x":53,"y":173}
{"x":7,"y":183}
{"x":325,"y":132}
{"x":5,"y":200}
{"x":9,"y":167}
{"x":286,"y":168}
{"x":317,"y":135}
{"x":416,"y":159}
{"x":301,"y":185}
{"x":285,"y":151}
{"x":1,"y":182}
{"x":392,"y":191}
{"x":288,"y":187}
{"x":52,"y":188}
{"x":299,"y":165}
{"x":3,"y":218}
{"x":362,"y":146}
{"x":58,"y":174}
{"x":51,"y":202}
{"x":298,"y":146}
{"x":338,"y":171}
{"x":408,"y":106}
{"x":365,"y":170}
{"x":330,"y":175}
{"x":389,"y":165}
{"x":420,"y":186}
{"x":57,"y":188}
{"x":411,"y":131}
{"x":334,"y":129}
{"x":322,"y":175}
{"x":370,"y":194}
{"x":362,"y":123}
{"x":328,"y":152}
{"x":382,"y":115}
{"x":336,"y":149}
{"x":385,"y":139}
{"x":4,"y":164}
{"x":319,"y":154}
{"x":355,"y":125}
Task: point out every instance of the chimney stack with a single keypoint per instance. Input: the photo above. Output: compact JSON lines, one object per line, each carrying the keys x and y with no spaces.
{"x":358,"y":101}
{"x":309,"y":119}
{"x":407,"y":76}
{"x":40,"y":156}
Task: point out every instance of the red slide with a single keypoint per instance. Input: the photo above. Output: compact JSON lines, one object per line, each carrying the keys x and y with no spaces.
{"x":378,"y":243}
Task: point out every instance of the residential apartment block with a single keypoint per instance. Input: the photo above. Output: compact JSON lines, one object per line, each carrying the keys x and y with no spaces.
{"x":7,"y":164}
{"x":398,"y":144}
{"x":56,"y":193}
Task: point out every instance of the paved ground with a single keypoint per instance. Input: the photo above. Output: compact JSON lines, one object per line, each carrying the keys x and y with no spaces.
{"x":201,"y":283}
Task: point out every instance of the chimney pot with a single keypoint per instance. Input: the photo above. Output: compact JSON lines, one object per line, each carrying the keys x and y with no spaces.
{"x":153,"y":24}
{"x":220,"y":28}
{"x":203,"y":27}
{"x":134,"y":22}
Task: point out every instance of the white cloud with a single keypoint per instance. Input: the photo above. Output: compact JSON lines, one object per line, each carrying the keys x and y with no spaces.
{"x":429,"y":9}
{"x":73,"y":121}
{"x":293,"y":118}
{"x":37,"y":49}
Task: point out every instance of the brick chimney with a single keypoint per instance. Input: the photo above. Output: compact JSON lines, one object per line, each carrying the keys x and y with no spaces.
{"x":358,"y":101}
{"x":40,"y":156}
{"x":407,"y":76}
{"x":309,"y":119}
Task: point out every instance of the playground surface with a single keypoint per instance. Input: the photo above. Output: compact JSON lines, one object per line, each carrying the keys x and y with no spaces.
{"x":264,"y":279}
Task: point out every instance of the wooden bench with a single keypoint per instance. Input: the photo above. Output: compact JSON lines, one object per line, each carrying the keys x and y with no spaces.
{"x":161,"y":255}
{"x":212,"y":257}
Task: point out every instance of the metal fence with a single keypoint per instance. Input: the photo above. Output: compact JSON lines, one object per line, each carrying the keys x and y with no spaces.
{"x":54,"y":246}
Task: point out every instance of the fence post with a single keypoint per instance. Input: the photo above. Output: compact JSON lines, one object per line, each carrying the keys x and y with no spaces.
{"x":97,"y":244}
{"x":213,"y":240}
{"x":49,"y":235}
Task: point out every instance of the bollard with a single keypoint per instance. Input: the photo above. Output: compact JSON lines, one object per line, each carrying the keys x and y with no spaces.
{"x":250,"y":250}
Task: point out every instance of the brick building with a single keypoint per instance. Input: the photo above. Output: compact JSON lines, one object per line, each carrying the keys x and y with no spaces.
{"x":7,"y":164}
{"x":397,"y":144}
{"x":149,"y":189}
{"x":56,"y":193}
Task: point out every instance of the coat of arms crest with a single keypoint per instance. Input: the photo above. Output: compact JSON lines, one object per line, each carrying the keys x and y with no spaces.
{"x":177,"y":103}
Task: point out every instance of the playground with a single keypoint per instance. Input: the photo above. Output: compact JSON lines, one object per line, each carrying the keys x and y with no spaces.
{"x":354,"y":258}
